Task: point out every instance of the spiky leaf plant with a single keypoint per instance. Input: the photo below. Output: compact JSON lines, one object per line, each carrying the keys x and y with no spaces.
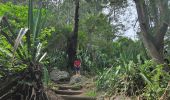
{"x":27,"y":51}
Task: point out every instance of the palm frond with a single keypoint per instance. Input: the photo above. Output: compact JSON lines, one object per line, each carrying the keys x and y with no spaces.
{"x":43,"y":56}
{"x":10,"y":41}
{"x":9,"y":27}
{"x":6,"y":52}
{"x":30,"y":16}
{"x":22,"y":32}
{"x":30,"y":26}
{"x":145,"y":78}
{"x":38,"y":50}
{"x":37,"y":26}
{"x":45,"y":75}
{"x":36,"y":31}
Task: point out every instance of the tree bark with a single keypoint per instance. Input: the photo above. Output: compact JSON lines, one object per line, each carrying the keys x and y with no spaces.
{"x":154,"y":45}
{"x":73,"y":39}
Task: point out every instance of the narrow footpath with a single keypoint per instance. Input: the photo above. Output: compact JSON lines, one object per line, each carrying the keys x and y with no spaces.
{"x":70,"y":92}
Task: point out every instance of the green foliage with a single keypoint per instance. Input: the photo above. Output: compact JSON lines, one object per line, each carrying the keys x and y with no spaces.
{"x":57,"y":45}
{"x":87,"y":61}
{"x":57,"y":59}
{"x":95,"y":26}
{"x":25,"y":48}
{"x":148,"y":80}
{"x":17,"y":14}
{"x":91,"y":93}
{"x":95,"y":43}
{"x":17,"y":17}
{"x":58,"y":39}
{"x":156,"y":80}
{"x":105,"y":54}
{"x":46,"y":34}
{"x":46,"y":77}
{"x":121,"y":79}
{"x":95,"y":60}
{"x":127,"y":49}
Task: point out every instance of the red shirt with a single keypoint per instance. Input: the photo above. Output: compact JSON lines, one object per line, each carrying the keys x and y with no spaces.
{"x":77,"y":63}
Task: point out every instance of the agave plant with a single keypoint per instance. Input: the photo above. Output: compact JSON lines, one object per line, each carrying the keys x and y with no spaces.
{"x":27,"y":50}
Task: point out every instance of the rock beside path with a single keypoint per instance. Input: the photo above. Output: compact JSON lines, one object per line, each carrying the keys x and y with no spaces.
{"x":57,"y":75}
{"x":78,"y":79}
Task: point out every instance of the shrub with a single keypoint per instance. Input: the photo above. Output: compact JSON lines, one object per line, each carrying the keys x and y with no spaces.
{"x":121,"y":79}
{"x":148,"y":80}
{"x":156,"y":80}
{"x":57,"y":59}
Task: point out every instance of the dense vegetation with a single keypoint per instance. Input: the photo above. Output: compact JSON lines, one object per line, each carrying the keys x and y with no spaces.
{"x":39,"y":36}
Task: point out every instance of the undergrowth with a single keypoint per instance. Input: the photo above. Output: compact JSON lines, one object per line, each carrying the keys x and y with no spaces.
{"x":147,"y":80}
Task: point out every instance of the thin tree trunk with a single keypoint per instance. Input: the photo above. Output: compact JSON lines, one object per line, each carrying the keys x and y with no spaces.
{"x":72,"y":40}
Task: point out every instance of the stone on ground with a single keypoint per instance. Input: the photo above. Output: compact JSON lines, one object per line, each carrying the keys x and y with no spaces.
{"x":78,"y":79}
{"x":57,"y":75}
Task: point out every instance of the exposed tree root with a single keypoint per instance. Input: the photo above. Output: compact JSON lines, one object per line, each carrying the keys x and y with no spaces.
{"x":26,"y":86}
{"x":15,"y":90}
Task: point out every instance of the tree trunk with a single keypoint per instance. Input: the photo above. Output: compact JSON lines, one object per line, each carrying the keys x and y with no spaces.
{"x":72,"y":40}
{"x":154,"y":45}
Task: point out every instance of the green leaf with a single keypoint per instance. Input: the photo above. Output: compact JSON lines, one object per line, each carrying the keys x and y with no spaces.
{"x":43,"y":57}
{"x":22,"y":32}
{"x":37,"y":26}
{"x":30,"y":16}
{"x":38,"y":50}
{"x":145,"y":78}
{"x":30,"y":25}
{"x":6,"y":52}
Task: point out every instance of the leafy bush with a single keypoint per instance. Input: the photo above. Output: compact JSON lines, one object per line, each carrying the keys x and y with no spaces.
{"x":57,"y":59}
{"x":121,"y":79}
{"x":94,"y":61}
{"x":86,"y":59}
{"x":148,"y":80}
{"x":155,"y":78}
{"x":17,"y":15}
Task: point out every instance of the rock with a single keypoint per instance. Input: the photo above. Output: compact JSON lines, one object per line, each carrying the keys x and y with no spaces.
{"x":77,"y":79}
{"x":57,"y":75}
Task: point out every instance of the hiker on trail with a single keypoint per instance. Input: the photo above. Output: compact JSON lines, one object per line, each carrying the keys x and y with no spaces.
{"x":77,"y":64}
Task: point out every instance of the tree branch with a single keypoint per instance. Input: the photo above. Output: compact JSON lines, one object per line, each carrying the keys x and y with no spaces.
{"x":142,"y":17}
{"x":159,"y":38}
{"x":164,"y":18}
